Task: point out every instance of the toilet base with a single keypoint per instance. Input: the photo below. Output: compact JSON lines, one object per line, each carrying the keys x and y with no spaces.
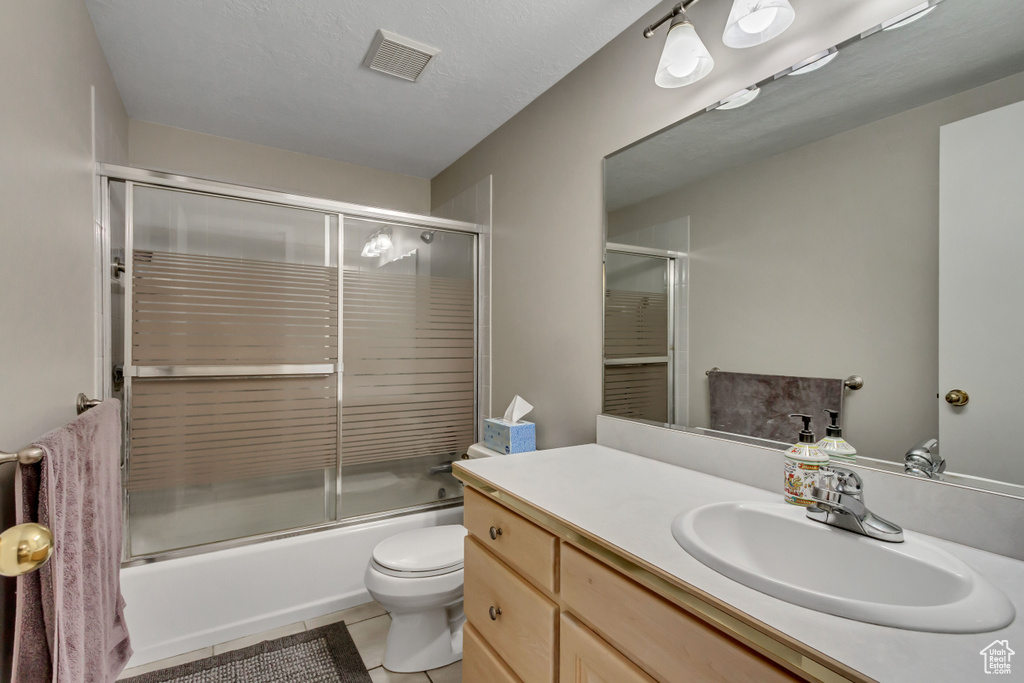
{"x":424,"y":640}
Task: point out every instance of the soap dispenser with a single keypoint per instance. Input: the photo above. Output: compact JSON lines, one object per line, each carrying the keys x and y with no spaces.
{"x":834,"y":445}
{"x":803,"y":464}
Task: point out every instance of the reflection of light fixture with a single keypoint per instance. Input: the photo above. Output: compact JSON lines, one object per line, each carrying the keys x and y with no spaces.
{"x":685,"y":59}
{"x":814,"y":62}
{"x":377,"y":243}
{"x":910,"y":16}
{"x":752,"y":22}
{"x":737,"y":100}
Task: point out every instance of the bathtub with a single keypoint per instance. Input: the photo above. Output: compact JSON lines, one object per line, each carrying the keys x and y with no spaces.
{"x":184,"y":604}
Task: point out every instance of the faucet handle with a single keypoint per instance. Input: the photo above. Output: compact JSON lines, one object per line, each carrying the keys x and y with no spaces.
{"x":841,"y":480}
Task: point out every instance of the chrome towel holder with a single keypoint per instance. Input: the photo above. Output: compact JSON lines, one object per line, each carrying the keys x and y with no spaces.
{"x":853,"y":382}
{"x":30,"y":455}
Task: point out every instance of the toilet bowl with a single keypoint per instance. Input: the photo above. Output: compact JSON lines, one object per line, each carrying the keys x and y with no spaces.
{"x":417,"y":577}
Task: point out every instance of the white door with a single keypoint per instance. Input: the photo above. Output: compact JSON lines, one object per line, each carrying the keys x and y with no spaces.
{"x":981,"y":292}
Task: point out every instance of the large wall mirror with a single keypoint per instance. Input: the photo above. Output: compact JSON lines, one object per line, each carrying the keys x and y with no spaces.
{"x":862,"y":218}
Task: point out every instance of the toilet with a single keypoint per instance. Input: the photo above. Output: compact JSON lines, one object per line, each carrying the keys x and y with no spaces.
{"x":417,"y":576}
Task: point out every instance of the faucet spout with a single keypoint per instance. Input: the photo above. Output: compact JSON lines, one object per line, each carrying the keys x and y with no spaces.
{"x":839,"y":502}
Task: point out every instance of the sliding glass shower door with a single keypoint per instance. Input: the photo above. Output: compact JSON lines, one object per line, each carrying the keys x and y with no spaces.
{"x":232,"y":364}
{"x":285,"y":368}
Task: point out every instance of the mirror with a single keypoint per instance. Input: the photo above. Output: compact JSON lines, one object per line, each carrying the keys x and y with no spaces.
{"x":812,"y":217}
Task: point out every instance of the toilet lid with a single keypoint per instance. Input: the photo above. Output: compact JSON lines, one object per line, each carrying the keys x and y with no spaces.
{"x":422,"y":550}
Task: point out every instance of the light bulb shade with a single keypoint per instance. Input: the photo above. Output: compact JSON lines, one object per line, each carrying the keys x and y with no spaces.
{"x":685,"y":59}
{"x":752,"y":22}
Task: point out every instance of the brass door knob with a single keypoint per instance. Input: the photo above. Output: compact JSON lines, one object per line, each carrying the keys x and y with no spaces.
{"x":24,"y":548}
{"x":957,"y":397}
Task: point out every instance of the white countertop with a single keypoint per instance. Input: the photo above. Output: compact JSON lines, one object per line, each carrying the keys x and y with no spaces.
{"x":630,"y":501}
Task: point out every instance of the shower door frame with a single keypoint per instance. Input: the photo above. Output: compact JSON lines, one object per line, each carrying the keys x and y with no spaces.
{"x":673,"y":265}
{"x":136,"y":177}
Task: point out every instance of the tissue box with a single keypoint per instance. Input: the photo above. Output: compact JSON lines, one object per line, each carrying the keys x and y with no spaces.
{"x":510,"y":437}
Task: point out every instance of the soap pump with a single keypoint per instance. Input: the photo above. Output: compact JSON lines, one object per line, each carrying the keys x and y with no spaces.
{"x":834,"y":445}
{"x":804,"y":461}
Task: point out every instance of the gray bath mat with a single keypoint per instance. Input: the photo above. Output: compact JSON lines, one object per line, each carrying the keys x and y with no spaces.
{"x":323,"y":655}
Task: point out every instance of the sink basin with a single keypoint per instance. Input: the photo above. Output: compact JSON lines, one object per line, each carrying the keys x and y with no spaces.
{"x":774,"y":548}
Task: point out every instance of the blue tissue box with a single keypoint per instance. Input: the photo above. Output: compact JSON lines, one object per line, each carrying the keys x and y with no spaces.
{"x":510,"y":437}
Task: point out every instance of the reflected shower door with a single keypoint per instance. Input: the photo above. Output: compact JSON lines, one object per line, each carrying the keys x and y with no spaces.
{"x":231,"y":355}
{"x":409,"y":385}
{"x":638,"y":337}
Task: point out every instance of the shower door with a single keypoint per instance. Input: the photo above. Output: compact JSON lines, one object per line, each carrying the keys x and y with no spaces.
{"x":638,"y":327}
{"x":284,"y":365}
{"x":231,"y":368}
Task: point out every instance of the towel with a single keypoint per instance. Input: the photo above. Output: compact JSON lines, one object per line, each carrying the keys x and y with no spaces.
{"x":760,"y":405}
{"x":70,"y":624}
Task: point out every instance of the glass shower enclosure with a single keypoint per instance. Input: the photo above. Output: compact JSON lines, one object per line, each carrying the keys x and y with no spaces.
{"x":285,"y":363}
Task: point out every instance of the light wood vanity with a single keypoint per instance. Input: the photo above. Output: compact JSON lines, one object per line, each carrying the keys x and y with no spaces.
{"x":549,"y":602}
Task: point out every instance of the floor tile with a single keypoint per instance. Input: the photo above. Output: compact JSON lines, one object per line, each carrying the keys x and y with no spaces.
{"x":447,"y":674}
{"x":370,"y":637}
{"x":239,"y":643}
{"x":382,"y":675}
{"x":352,"y":615}
{"x":167,"y":663}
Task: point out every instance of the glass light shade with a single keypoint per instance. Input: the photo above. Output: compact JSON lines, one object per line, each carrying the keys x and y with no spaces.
{"x":737,"y":100}
{"x":908,"y":17}
{"x":814,"y":62}
{"x":685,"y":59}
{"x":752,"y":22}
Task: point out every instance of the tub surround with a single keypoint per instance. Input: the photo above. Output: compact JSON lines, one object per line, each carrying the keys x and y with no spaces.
{"x":624,"y":504}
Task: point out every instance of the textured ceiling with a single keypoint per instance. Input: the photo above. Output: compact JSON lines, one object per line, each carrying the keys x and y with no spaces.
{"x":961,"y":45}
{"x":288,"y":74}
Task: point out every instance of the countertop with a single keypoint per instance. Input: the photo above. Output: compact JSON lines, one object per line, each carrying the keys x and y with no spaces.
{"x":628,"y":502}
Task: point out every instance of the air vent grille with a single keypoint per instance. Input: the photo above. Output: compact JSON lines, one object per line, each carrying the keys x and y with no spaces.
{"x":398,"y":56}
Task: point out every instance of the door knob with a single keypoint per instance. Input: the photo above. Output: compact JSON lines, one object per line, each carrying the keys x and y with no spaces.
{"x":957,"y":397}
{"x":24,"y":549}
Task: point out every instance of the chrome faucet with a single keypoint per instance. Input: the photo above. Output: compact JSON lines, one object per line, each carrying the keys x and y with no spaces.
{"x":443,"y":468}
{"x":839,"y":502}
{"x":923,"y":460}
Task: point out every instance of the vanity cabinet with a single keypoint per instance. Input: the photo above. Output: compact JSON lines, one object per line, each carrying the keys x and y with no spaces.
{"x":541,"y":609}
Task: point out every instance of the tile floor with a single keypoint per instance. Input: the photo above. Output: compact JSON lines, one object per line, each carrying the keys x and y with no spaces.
{"x":368,"y":624}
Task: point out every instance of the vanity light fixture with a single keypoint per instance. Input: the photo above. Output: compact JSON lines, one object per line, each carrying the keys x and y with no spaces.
{"x":753,"y":22}
{"x":814,"y":62}
{"x":910,"y":16}
{"x":377,"y":243}
{"x":685,"y":59}
{"x":737,"y":100}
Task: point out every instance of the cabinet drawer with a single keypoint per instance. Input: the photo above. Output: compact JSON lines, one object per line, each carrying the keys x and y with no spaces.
{"x":515,"y":618}
{"x":585,"y":658}
{"x":520,"y":543}
{"x":669,"y":643}
{"x":479,"y":663}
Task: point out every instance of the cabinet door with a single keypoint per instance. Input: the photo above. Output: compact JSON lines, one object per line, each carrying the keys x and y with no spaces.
{"x":479,"y":662}
{"x":585,"y":658}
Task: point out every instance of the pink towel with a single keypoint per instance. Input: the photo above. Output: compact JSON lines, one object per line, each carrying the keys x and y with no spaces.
{"x":70,"y":614}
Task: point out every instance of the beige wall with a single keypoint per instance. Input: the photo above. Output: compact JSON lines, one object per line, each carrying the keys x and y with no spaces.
{"x":49,"y":61}
{"x":548,"y":208}
{"x":163,"y":148}
{"x":848,"y":284}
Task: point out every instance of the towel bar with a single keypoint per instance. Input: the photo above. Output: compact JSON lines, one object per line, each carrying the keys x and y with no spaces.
{"x":33,"y":454}
{"x":853,"y":382}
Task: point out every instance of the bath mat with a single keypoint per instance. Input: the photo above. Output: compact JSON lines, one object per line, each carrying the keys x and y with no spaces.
{"x":323,"y":655}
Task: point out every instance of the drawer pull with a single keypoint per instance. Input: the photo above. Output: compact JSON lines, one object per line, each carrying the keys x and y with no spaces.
{"x":495,"y":532}
{"x":495,"y":612}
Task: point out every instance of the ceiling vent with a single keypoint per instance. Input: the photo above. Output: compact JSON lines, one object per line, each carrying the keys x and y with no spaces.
{"x":397,"y":55}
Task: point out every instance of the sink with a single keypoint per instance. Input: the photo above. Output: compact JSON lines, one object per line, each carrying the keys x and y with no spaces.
{"x":774,"y":548}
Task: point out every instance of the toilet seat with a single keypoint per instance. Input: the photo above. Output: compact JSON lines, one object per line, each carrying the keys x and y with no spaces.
{"x":432,"y":551}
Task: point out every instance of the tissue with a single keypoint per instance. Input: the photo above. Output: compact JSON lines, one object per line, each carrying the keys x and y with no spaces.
{"x":516,"y":409}
{"x":511,"y":434}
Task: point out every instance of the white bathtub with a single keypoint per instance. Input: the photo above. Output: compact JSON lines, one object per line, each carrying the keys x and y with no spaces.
{"x":185,"y":604}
